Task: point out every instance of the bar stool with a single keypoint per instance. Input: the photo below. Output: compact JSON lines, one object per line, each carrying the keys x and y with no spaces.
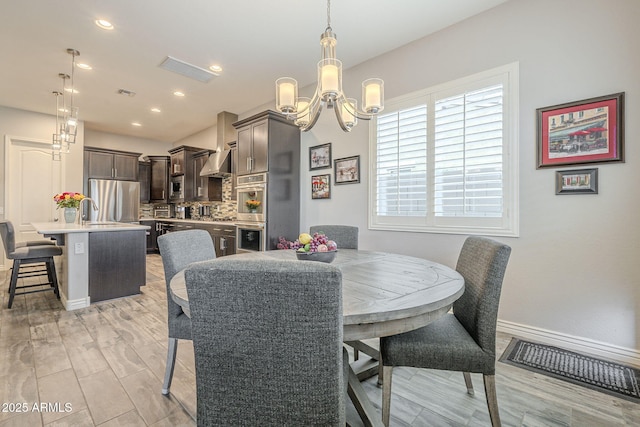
{"x":24,"y":256}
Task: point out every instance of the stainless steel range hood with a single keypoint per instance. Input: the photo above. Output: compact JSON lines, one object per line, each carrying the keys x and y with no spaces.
{"x":219,"y":163}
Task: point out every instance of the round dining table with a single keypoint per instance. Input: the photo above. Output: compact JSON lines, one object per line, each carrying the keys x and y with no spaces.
{"x":382,"y":294}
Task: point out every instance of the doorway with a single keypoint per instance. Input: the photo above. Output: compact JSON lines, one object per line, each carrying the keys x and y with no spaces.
{"x":32,"y":178}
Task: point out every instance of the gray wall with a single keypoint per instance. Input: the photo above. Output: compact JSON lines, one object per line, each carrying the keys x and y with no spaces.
{"x":20,"y":123}
{"x":574,"y":270}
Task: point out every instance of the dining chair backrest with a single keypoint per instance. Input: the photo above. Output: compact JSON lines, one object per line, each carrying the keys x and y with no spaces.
{"x":346,"y":236}
{"x":267,"y":338}
{"x":179,"y":249}
{"x":482,"y":262}
{"x":8,"y":236}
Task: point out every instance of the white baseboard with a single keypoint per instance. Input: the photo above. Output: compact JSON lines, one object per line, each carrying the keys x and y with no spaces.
{"x":600,"y":349}
{"x":75,"y":303}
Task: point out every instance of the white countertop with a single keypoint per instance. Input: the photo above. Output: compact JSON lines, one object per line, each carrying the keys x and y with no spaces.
{"x":66,"y":228}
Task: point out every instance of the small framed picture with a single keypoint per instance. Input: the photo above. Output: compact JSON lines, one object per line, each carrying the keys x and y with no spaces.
{"x":321,"y":186}
{"x":320,"y":156}
{"x":577,"y":181}
{"x":347,"y":170}
{"x":581,"y":132}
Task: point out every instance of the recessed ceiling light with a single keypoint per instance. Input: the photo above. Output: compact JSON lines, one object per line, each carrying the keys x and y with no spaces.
{"x":156,"y":110}
{"x":104,"y":24}
{"x":178,"y":93}
{"x":136,"y":124}
{"x":215,"y":68}
{"x":84,"y":66}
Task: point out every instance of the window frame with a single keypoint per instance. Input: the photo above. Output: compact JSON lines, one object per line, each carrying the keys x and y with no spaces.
{"x":506,"y":225}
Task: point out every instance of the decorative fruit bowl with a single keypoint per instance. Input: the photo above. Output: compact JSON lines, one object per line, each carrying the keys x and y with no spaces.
{"x":317,"y":256}
{"x":311,"y":248}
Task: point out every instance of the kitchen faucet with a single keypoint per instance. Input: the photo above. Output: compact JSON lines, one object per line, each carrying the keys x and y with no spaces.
{"x":95,"y":208}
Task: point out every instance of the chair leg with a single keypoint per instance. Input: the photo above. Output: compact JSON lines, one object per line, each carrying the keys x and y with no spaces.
{"x":14,"y":281}
{"x":356,"y":354}
{"x":386,"y":394}
{"x":467,"y":381}
{"x":52,"y":276}
{"x":171,"y":364}
{"x":492,"y":399}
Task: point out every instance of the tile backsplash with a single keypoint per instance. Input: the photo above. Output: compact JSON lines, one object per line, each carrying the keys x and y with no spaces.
{"x":224,"y":210}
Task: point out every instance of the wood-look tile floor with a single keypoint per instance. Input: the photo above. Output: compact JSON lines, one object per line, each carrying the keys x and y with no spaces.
{"x":103,"y":366}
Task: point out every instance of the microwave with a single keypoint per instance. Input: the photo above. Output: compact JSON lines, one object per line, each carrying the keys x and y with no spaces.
{"x":176,"y":189}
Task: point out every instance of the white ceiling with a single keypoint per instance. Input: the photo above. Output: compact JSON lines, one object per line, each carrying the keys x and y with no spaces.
{"x":255,"y":41}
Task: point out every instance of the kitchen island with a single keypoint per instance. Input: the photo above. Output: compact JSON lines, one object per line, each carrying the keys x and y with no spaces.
{"x":100,"y":261}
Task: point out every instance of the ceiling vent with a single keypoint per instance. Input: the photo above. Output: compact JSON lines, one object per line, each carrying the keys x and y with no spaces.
{"x":126,"y":92}
{"x":187,"y":70}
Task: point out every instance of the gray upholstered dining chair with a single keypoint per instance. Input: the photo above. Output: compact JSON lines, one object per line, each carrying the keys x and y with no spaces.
{"x":267,"y":337}
{"x":346,"y":236}
{"x":464,"y":340}
{"x":178,"y":250}
{"x":28,"y":259}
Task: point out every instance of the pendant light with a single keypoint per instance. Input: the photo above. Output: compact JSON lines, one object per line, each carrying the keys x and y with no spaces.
{"x":56,"y":143}
{"x":71,"y":113}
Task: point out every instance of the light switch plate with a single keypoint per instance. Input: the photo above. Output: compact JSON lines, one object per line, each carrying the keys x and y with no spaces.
{"x":1,"y":210}
{"x":79,"y":248}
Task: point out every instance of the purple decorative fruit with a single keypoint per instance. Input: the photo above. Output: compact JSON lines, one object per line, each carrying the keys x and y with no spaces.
{"x":331,"y":245}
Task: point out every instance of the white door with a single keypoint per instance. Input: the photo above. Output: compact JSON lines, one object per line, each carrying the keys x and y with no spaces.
{"x":32,"y":178}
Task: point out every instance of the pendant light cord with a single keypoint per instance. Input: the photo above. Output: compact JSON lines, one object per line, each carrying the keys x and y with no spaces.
{"x":328,"y":14}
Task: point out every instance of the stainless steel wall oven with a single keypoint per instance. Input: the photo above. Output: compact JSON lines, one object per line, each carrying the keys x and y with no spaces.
{"x":250,"y":237}
{"x":252,"y":198}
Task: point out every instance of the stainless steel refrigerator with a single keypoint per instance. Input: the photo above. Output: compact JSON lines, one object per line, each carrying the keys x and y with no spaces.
{"x":116,"y":200}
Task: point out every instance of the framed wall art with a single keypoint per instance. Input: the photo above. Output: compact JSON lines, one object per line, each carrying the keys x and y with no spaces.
{"x":320,"y":156}
{"x":347,"y":170}
{"x":321,"y":186}
{"x":577,"y":181}
{"x":581,"y":132}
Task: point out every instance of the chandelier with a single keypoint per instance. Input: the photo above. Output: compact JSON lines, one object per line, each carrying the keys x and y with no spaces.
{"x":67,"y":128}
{"x":305,"y":112}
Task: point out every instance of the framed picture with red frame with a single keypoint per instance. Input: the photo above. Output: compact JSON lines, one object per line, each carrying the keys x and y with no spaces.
{"x":581,"y":132}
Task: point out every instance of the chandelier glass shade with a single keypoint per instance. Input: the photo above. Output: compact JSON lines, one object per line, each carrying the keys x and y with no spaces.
{"x":328,"y":94}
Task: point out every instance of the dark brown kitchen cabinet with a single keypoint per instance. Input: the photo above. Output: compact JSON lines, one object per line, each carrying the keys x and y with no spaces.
{"x":144,"y":178}
{"x":280,"y":138}
{"x":101,"y":163}
{"x":205,"y":188}
{"x":264,"y":142}
{"x":152,"y":235}
{"x":182,"y":164}
{"x":233,"y":147}
{"x":252,"y":148}
{"x":223,"y":236}
{"x":117,"y":264}
{"x":159,"y":190}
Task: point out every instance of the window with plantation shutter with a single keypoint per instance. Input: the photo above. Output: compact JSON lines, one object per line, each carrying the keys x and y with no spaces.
{"x":445,"y":159}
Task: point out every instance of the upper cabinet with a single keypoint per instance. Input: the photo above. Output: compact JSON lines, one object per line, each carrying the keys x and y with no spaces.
{"x":144,"y":178}
{"x":159,"y":189}
{"x":262,"y":140}
{"x":182,"y":164}
{"x":100,"y":163}
{"x":233,"y":146}
{"x":205,"y":188}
